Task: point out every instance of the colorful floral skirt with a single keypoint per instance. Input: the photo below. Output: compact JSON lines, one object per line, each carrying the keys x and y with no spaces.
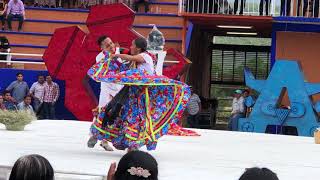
{"x":154,"y":106}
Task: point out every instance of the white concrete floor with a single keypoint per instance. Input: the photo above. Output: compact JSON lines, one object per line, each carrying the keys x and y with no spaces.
{"x":218,"y":155}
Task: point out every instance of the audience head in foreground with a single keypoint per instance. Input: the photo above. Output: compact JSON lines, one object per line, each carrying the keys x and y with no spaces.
{"x":32,"y":167}
{"x":135,"y":165}
{"x":258,"y":174}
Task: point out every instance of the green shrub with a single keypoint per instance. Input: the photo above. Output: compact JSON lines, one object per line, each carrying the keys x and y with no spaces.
{"x":16,"y":120}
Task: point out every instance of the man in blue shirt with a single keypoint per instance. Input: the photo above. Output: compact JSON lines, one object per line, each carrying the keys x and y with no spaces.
{"x":8,"y":101}
{"x":19,"y":88}
{"x":25,"y":105}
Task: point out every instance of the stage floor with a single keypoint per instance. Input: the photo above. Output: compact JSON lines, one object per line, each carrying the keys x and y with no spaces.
{"x":215,"y":155}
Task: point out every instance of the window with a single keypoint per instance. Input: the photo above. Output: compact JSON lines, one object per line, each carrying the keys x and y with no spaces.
{"x":228,"y":62}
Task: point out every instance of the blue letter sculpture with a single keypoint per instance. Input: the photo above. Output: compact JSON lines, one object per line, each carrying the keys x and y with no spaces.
{"x":285,"y":75}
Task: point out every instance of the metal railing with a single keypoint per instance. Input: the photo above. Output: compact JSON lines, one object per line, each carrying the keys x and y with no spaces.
{"x":8,"y":60}
{"x":301,"y":8}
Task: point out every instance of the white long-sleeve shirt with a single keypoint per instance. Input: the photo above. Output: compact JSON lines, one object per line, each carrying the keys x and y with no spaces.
{"x":238,"y":105}
{"x":107,"y":90}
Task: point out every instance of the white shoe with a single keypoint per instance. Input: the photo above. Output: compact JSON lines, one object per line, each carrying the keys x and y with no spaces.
{"x":105,"y":145}
{"x":92,"y":142}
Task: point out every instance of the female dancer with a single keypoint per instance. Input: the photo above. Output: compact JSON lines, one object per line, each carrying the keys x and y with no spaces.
{"x":146,"y":108}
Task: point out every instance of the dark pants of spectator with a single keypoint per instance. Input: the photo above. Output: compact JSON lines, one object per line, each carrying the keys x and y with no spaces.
{"x":233,"y":121}
{"x":16,"y":16}
{"x":236,"y":5}
{"x":313,"y":6}
{"x":144,"y":2}
{"x":316,"y":8}
{"x":3,"y":21}
{"x":193,"y":121}
{"x":262,"y":3}
{"x":305,"y":7}
{"x":38,"y":108}
{"x":285,"y":7}
{"x":49,"y":110}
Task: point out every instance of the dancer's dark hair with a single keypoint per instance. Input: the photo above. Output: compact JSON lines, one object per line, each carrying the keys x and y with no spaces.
{"x":32,"y":167}
{"x":100,"y":39}
{"x":141,"y":43}
{"x":258,"y":173}
{"x":136,"y":159}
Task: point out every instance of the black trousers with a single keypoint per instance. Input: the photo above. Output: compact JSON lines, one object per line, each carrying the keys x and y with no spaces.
{"x":49,"y":110}
{"x":267,"y":4}
{"x":17,"y":16}
{"x":305,"y":7}
{"x":112,"y":110}
{"x":285,"y":8}
{"x":3,"y":20}
{"x":315,"y":5}
{"x":236,"y":5}
{"x":316,"y":8}
{"x":193,"y":121}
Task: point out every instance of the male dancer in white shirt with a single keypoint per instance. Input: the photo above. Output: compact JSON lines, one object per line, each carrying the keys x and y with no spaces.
{"x":107,"y":90}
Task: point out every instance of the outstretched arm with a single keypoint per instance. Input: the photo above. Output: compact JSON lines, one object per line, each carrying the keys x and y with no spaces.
{"x":135,"y":58}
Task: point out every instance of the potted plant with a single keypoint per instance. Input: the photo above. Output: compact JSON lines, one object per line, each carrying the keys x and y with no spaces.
{"x":16,"y":120}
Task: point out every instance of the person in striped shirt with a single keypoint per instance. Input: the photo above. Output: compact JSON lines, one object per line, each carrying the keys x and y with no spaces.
{"x":193,"y":109}
{"x":51,"y":95}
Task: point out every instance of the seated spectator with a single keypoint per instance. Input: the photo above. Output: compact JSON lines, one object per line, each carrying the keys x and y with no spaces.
{"x":25,"y":105}
{"x":18,"y":88}
{"x":3,"y":13}
{"x":32,"y":167}
{"x":258,"y":174}
{"x":238,"y":110}
{"x":2,"y":106}
{"x":249,"y":101}
{"x":193,"y":109}
{"x":9,"y":102}
{"x":15,"y":10}
{"x":134,"y":165}
{"x":138,"y":2}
